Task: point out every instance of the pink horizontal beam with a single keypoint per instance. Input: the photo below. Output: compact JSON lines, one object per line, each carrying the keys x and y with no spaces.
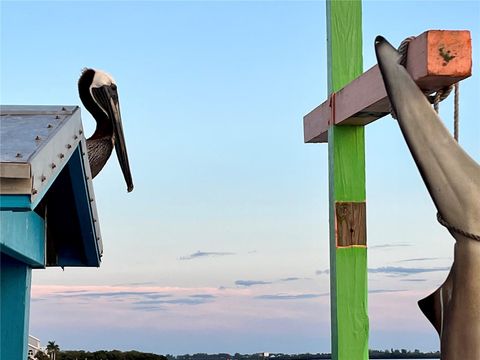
{"x":435,"y":59}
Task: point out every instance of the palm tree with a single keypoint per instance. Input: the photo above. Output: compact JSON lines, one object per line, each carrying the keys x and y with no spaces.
{"x":52,"y":349}
{"x":40,"y":355}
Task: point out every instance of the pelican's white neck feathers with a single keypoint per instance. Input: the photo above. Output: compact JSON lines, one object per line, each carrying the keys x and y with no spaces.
{"x":101,"y":78}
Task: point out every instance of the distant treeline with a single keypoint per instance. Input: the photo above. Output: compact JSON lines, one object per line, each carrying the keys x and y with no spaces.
{"x":373,"y":354}
{"x":107,"y":355}
{"x":136,"y":355}
{"x":403,"y":354}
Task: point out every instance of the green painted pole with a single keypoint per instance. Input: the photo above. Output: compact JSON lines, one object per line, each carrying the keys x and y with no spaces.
{"x":346,"y":149}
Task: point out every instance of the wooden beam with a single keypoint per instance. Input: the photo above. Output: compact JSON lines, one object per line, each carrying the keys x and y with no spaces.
{"x":436,"y":59}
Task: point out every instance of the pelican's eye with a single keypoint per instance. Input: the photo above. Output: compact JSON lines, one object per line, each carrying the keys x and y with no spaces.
{"x":113,"y":86}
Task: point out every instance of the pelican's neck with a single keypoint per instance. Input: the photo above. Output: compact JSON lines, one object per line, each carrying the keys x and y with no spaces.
{"x":104,"y":126}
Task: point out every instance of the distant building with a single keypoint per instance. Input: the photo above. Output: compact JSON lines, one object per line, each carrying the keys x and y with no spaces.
{"x":33,"y":347}
{"x":266,"y":354}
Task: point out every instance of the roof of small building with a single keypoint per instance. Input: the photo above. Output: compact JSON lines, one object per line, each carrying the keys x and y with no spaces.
{"x":44,"y":168}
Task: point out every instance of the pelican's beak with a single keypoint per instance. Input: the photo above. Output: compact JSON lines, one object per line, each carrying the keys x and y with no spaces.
{"x":120,"y":146}
{"x":112,"y":106}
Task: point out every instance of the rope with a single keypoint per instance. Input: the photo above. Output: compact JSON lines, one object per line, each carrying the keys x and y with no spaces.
{"x":456,"y":111}
{"x":403,"y":50}
{"x":457,"y":230}
{"x":439,"y":96}
{"x":434,"y":99}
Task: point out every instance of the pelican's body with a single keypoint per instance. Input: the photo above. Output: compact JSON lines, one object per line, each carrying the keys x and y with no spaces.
{"x":98,"y":92}
{"x":99,"y":151}
{"x":452,"y":178}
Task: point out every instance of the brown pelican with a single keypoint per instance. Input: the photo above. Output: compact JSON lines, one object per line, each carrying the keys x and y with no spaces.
{"x":452,"y":178}
{"x":98,"y":92}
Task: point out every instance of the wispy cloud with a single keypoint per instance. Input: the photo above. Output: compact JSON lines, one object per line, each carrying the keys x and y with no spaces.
{"x":203,"y":296}
{"x":313,"y":296}
{"x":382,"y":291}
{"x":251,"y":282}
{"x":71,"y":291}
{"x":263,"y":282}
{"x":404,"y":271}
{"x":290,"y":296}
{"x":388,"y":246}
{"x":413,"y":280}
{"x":143,"y":283}
{"x":395,"y":270}
{"x":150,"y":308}
{"x":157,"y":295}
{"x":420,"y":259}
{"x":205,"y":254}
{"x":110,"y":294}
{"x":127,"y":298}
{"x":180,"y":301}
{"x":293,"y":278}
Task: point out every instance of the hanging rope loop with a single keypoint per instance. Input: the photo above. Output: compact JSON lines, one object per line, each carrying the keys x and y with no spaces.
{"x":433,"y":97}
{"x":456,"y":111}
{"x":452,"y":228}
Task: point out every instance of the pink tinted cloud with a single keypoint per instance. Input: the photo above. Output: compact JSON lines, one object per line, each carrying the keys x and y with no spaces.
{"x":168,"y":308}
{"x":139,"y":312}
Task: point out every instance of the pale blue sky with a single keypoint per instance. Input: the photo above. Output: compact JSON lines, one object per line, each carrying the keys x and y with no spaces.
{"x":223,"y":244}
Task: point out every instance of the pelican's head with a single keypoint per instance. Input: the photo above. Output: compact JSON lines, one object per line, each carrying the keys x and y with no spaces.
{"x":98,"y":92}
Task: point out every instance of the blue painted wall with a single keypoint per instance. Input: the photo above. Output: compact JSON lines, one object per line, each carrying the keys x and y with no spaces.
{"x":22,"y":236}
{"x":15,"y":308}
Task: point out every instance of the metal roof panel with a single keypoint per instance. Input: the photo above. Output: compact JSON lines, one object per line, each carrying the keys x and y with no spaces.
{"x":36,"y":142}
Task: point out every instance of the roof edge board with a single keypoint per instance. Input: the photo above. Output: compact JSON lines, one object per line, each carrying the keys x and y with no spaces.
{"x":85,"y":204}
{"x":15,"y":170}
{"x":37,"y":109}
{"x":49,"y":161}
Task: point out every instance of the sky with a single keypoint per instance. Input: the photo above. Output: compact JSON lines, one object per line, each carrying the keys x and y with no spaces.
{"x":223,"y":244}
